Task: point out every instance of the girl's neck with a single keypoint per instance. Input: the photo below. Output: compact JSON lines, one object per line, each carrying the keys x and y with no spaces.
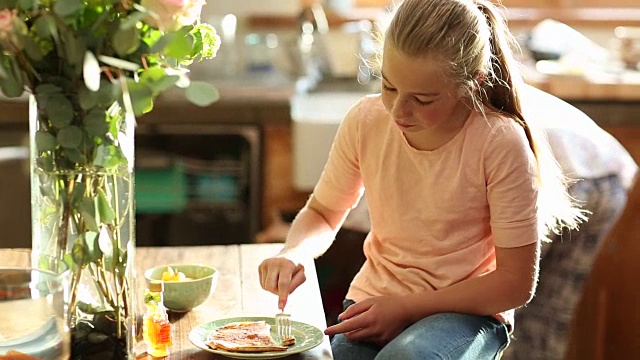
{"x":436,"y":137}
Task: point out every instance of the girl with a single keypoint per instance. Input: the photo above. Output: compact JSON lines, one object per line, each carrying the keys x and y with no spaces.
{"x":460,"y":192}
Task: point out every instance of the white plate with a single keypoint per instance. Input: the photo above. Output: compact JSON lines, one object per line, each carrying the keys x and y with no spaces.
{"x":307,"y":337}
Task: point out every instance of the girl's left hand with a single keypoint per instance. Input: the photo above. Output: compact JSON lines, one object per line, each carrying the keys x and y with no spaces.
{"x":377,"y":319}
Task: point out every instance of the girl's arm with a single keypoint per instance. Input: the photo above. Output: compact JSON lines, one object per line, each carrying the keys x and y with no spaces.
{"x":312,"y":231}
{"x":510,"y":286}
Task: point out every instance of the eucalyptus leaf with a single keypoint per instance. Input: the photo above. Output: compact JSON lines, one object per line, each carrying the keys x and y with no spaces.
{"x":75,"y":156}
{"x":45,"y":141}
{"x":12,"y":83}
{"x":79,"y":252}
{"x":93,"y":248}
{"x":179,"y":47}
{"x":108,"y":93}
{"x":68,"y":259}
{"x":74,"y":48}
{"x":202,"y":93}
{"x":70,"y":137}
{"x":91,"y":71}
{"x":157,"y":79}
{"x":11,"y":89}
{"x":95,"y":122}
{"x":67,"y":7}
{"x":26,"y":4}
{"x":60,"y":110}
{"x":78,"y":193}
{"x":31,"y":48}
{"x":87,"y":98}
{"x":42,"y":27}
{"x":141,"y":97}
{"x":108,"y":156}
{"x":126,"y":40}
{"x":89,"y":213}
{"x":48,"y":89}
{"x":107,"y":214}
{"x":44,"y":164}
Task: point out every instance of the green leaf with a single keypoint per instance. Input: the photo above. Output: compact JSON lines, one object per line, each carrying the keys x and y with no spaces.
{"x":70,"y":137}
{"x":93,"y":248}
{"x":78,"y":193}
{"x":108,"y":93}
{"x":42,"y":27}
{"x":45,"y":141}
{"x":74,"y":47}
{"x":202,"y":93}
{"x":126,"y":40}
{"x":48,"y":89}
{"x":75,"y":156}
{"x":157,"y":79}
{"x":108,"y":156}
{"x":95,"y":123}
{"x":11,"y":83}
{"x":26,"y":5}
{"x":31,"y":48}
{"x":60,"y":110}
{"x":91,"y":71}
{"x":179,"y":46}
{"x":90,"y":214}
{"x":79,"y":252}
{"x":107,"y":214}
{"x":141,"y":97}
{"x":119,"y":63}
{"x":67,"y":7}
{"x":87,"y":98}
{"x":68,"y":259}
{"x":45,"y":164}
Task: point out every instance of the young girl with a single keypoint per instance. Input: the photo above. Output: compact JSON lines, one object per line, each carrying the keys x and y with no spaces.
{"x":460,"y":192}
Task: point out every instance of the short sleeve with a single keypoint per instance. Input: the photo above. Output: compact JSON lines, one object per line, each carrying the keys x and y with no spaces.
{"x":340,"y":186}
{"x":512,"y":186}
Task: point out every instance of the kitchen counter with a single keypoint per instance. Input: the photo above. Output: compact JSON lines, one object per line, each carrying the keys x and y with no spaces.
{"x":265,"y":102}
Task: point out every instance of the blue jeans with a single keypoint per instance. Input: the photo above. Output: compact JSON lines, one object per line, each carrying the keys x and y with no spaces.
{"x":450,"y":336}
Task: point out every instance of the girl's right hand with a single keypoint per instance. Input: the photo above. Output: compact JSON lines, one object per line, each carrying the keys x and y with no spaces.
{"x":281,"y":276}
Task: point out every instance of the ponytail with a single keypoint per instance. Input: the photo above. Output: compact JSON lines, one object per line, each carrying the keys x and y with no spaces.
{"x":500,"y":91}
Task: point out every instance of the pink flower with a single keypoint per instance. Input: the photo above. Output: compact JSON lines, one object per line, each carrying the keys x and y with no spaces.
{"x":7,"y":19}
{"x":169,"y":15}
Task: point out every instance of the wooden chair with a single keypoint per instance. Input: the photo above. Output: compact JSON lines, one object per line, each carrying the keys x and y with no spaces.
{"x":607,"y":322}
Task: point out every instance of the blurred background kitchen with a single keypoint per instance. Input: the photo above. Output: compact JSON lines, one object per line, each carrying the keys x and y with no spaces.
{"x":238,"y":170}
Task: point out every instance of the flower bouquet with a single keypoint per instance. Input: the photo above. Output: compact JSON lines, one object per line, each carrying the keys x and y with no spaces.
{"x":90,"y":67}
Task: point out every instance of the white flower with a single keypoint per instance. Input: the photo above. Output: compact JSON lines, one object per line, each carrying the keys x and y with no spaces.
{"x":169,"y":15}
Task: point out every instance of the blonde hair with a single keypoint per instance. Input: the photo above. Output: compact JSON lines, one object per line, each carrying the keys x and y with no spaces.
{"x":472,"y":39}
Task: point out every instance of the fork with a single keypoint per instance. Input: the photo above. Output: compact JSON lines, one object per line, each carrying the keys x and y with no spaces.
{"x":283,"y":327}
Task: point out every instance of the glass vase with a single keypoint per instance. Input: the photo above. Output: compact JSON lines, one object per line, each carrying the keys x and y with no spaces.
{"x":83,"y":213}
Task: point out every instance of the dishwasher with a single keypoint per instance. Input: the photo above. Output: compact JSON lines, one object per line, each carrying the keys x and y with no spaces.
{"x":198,"y":184}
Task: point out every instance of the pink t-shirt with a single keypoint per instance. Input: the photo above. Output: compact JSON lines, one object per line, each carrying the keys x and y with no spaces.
{"x":436,"y":216}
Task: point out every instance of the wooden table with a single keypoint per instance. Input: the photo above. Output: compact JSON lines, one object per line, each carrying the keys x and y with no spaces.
{"x":238,"y":293}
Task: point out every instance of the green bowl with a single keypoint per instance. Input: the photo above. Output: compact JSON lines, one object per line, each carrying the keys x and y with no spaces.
{"x":182,"y":296}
